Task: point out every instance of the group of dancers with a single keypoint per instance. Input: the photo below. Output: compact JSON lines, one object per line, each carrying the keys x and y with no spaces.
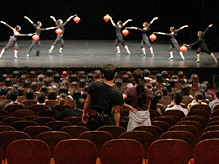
{"x":119,"y":38}
{"x":174,"y":43}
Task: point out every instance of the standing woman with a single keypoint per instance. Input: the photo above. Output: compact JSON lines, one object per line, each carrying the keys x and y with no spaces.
{"x":59,"y":23}
{"x":202,"y":45}
{"x":145,"y":40}
{"x":172,"y":34}
{"x":119,"y":36}
{"x":140,"y":98}
{"x":38,"y":32}
{"x":13,"y":39}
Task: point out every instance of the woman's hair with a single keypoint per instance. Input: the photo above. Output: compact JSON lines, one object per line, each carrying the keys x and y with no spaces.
{"x":147,"y":25}
{"x":59,"y":21}
{"x":18,"y":28}
{"x":173,"y":29}
{"x":38,"y":23}
{"x":141,"y":93}
{"x":120,"y":22}
{"x":62,"y":99}
{"x":200,"y":33}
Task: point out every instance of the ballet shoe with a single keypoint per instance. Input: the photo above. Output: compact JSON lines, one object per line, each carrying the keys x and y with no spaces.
{"x":50,"y":52}
{"x":117,"y":53}
{"x":170,"y":58}
{"x":197,"y":61}
{"x":60,"y":52}
{"x":144,"y":55}
{"x":183,"y":59}
{"x":152,"y":56}
{"x":16,"y":57}
{"x":129,"y":53}
{"x":28,"y":55}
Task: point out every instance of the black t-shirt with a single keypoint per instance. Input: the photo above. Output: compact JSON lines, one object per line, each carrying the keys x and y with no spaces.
{"x":104,"y":97}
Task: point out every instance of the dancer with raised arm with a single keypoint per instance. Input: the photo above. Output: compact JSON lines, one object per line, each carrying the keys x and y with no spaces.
{"x":145,"y":40}
{"x":202,"y":45}
{"x":38,"y":32}
{"x":60,"y":25}
{"x":172,"y":34}
{"x":119,"y":36}
{"x":13,"y":39}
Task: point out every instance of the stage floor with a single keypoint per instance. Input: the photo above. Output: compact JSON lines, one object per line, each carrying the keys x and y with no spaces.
{"x":96,"y":53}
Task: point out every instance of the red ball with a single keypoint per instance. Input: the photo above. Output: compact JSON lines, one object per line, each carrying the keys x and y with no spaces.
{"x":125,"y":32}
{"x":183,"y":49}
{"x":152,"y":37}
{"x":77,"y":19}
{"x":35,"y":37}
{"x":106,"y":18}
{"x":58,"y":31}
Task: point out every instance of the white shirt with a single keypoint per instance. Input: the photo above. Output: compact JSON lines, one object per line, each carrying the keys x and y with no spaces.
{"x":213,"y":103}
{"x":178,"y":107}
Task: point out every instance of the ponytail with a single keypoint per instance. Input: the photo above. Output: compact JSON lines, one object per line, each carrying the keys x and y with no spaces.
{"x":141,"y":93}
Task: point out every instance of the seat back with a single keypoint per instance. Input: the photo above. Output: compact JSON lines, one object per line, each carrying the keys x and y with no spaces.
{"x":145,"y":138}
{"x":168,"y":151}
{"x":35,"y":130}
{"x":73,"y":120}
{"x":43,"y":120}
{"x":207,"y":151}
{"x":22,"y":113}
{"x":57,"y":125}
{"x":115,"y":131}
{"x":67,"y":151}
{"x":28,"y":151}
{"x":99,"y":138}
{"x":20,"y":125}
{"x":74,"y":130}
{"x":122,"y":151}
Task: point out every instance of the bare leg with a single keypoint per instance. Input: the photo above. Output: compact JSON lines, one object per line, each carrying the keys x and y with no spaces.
{"x":60,"y":50}
{"x":171,"y":55}
{"x":144,"y":52}
{"x":215,"y":59}
{"x":3,"y":50}
{"x":50,"y":50}
{"x":181,"y":54}
{"x":152,"y":52}
{"x":198,"y":58}
{"x":15,"y":54}
{"x":127,"y":49}
{"x":118,"y":50}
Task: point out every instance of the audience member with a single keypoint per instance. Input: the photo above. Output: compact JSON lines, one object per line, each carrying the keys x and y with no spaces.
{"x":13,"y":93}
{"x":29,"y":95}
{"x":215,"y":102}
{"x":198,"y":100}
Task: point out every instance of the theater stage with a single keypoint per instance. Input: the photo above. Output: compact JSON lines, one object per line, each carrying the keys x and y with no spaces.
{"x":96,"y":53}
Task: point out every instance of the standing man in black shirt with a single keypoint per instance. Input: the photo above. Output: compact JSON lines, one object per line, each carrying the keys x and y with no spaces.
{"x":101,"y":98}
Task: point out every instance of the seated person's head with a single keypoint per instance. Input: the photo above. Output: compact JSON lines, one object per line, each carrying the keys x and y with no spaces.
{"x":109,"y":72}
{"x":76,"y":94}
{"x":47,"y":81}
{"x":49,"y":73}
{"x":41,"y":97}
{"x":153,"y":82}
{"x":62,"y":99}
{"x":73,"y":77}
{"x":118,"y":83}
{"x":186,"y":90}
{"x":40,"y":78}
{"x":159,"y":78}
{"x":198,"y":96}
{"x":52,"y":95}
{"x":57,"y":78}
{"x":63,"y":89}
{"x":180,"y":74}
{"x":44,"y":89}
{"x":13,"y":93}
{"x":4,"y":90}
{"x":80,"y":103}
{"x":146,"y":72}
{"x":97,"y":74}
{"x":8,"y":82}
{"x":29,"y":94}
{"x":177,"y":97}
{"x":27,"y":83}
{"x":164,"y":74}
{"x":34,"y":86}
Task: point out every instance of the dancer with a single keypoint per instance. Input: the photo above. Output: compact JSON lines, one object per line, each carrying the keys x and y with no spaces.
{"x":59,"y":23}
{"x":119,"y":36}
{"x":202,"y":45}
{"x":175,"y":43}
{"x":13,"y":39}
{"x":38,"y":32}
{"x":145,"y":40}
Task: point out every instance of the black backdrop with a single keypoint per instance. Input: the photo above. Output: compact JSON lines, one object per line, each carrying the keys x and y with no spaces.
{"x":198,"y":14}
